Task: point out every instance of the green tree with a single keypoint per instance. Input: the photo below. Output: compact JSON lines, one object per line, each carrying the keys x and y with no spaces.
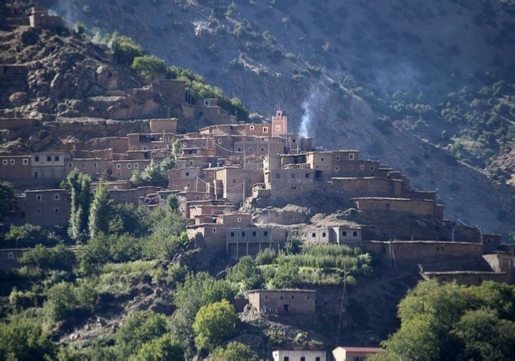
{"x":149,"y":66}
{"x":7,"y":199}
{"x":65,"y":299}
{"x":130,"y":219}
{"x":56,"y":258}
{"x":24,"y":339}
{"x":246,"y":274}
{"x":138,"y":329}
{"x":29,"y":235}
{"x":232,"y":352}
{"x":286,"y":276}
{"x":162,"y":348}
{"x":100,"y":211}
{"x":172,"y":203}
{"x":79,"y":184}
{"x":125,"y":49}
{"x":214,"y":324}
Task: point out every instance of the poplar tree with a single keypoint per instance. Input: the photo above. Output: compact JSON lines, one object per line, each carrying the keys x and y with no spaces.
{"x":79,"y":184}
{"x":100,"y":211}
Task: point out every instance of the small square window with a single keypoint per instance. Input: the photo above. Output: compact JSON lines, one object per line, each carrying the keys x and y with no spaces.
{"x":307,"y":175}
{"x":337,"y":169}
{"x":239,"y":149}
{"x":277,"y":176}
{"x":56,"y":158}
{"x":136,"y":166}
{"x":351,"y":156}
{"x":95,"y":165}
{"x":48,"y":158}
{"x":25,"y":161}
{"x":251,"y":127}
{"x":278,"y":128}
{"x":129,"y":166}
{"x":39,"y":197}
{"x":214,"y":230}
{"x":362,"y":167}
{"x":313,"y":235}
{"x":265,"y":233}
{"x":36,"y":158}
{"x":5,"y":162}
{"x":239,"y":219}
{"x":70,"y":165}
{"x":338,"y":158}
{"x":265,"y":129}
{"x":118,"y":166}
{"x":12,"y":161}
{"x":56,"y":197}
{"x":38,"y":211}
{"x":321,"y":159}
{"x":251,"y":149}
{"x":83,"y":165}
{"x":243,"y":234}
{"x":352,"y":167}
{"x":232,"y":234}
{"x":292,"y":175}
{"x":56,"y":210}
{"x":234,"y":181}
{"x":262,"y":149}
{"x":253,"y":233}
{"x":219,"y":141}
{"x":187,"y":174}
{"x":344,"y":233}
{"x":10,"y":255}
{"x":323,"y":234}
{"x":354,"y":234}
{"x":372,"y":168}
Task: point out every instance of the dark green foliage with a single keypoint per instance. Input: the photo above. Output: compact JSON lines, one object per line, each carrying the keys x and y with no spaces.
{"x":7,"y":198}
{"x":451,"y":322}
{"x":138,"y":329}
{"x":125,"y":49}
{"x":266,"y":256}
{"x":246,"y":274}
{"x":79,"y":184}
{"x":286,"y":276}
{"x":163,"y":348}
{"x":154,"y":175}
{"x":65,"y":299}
{"x":24,"y":339}
{"x":56,"y":258}
{"x":172,"y":203}
{"x":29,"y":235}
{"x":129,"y":219}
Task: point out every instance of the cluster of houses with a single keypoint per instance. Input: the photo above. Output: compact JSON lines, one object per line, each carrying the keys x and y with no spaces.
{"x":224,"y":171}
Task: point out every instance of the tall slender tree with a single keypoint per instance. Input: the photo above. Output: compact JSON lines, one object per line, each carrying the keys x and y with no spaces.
{"x":99,"y":213}
{"x":80,"y":198}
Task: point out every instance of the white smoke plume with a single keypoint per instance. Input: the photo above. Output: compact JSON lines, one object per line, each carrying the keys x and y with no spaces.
{"x":310,"y":106}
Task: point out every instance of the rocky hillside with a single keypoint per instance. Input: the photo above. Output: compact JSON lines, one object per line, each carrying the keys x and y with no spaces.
{"x":378,"y":76}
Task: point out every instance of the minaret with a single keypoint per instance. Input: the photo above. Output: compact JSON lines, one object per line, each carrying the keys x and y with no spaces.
{"x":279,"y":124}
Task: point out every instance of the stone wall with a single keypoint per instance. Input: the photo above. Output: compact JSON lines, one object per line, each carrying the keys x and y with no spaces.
{"x":283,"y":301}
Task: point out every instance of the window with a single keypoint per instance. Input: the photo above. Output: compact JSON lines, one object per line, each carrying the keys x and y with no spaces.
{"x":214,"y":230}
{"x":187,"y":174}
{"x":286,"y":358}
{"x":351,"y":156}
{"x":95,"y":165}
{"x":321,"y":159}
{"x":5,"y":162}
{"x":323,"y":234}
{"x":39,"y":197}
{"x":123,"y":197}
{"x":344,"y":233}
{"x":243,"y":234}
{"x":136,"y":165}
{"x":317,"y":358}
{"x":118,"y":166}
{"x":302,"y":358}
{"x":251,"y":127}
{"x":265,"y":233}
{"x":234,"y":181}
{"x":262,"y":149}
{"x":38,"y":211}
{"x":251,"y":149}
{"x":56,"y":210}
{"x":362,"y":167}
{"x":278,"y":128}
{"x":232,"y":234}
{"x":12,"y":161}
{"x":144,"y":148}
{"x":25,"y":161}
{"x":253,"y":233}
{"x":239,"y":149}
{"x":292,"y":297}
{"x":56,"y":158}
{"x":352,"y":167}
{"x":277,"y":176}
{"x":292,"y":175}
{"x":129,"y":166}
{"x":56,"y":197}
{"x":354,"y":234}
{"x":313,"y":235}
{"x":239,"y":219}
{"x":265,"y":129}
{"x":70,"y":165}
{"x":191,"y":162}
{"x":336,"y":168}
{"x":372,"y":167}
{"x":338,"y":158}
{"x":48,"y":158}
{"x":83,"y":165}
{"x":219,"y":141}
{"x":307,"y":175}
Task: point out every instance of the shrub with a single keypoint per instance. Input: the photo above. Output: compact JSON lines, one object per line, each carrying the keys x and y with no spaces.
{"x":233,"y":351}
{"x":24,"y":339}
{"x":266,"y":256}
{"x":125,"y":49}
{"x":149,"y":66}
{"x":65,"y":299}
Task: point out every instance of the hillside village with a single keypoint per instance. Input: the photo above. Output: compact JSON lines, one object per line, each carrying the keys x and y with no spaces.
{"x":244,"y":187}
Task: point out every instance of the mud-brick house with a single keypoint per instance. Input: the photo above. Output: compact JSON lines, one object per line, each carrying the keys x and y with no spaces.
{"x":9,"y":258}
{"x":49,"y":165}
{"x":46,"y":207}
{"x":250,"y":241}
{"x":15,"y":168}
{"x":351,"y":353}
{"x":285,"y":302}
